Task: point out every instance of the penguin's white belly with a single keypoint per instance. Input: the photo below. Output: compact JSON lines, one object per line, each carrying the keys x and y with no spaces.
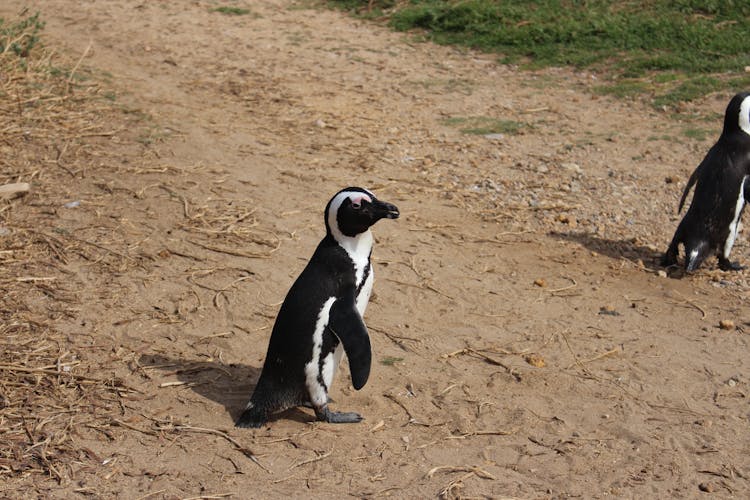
{"x":318,"y":388}
{"x":364,"y":294}
{"x":336,"y":355}
{"x":734,"y":225}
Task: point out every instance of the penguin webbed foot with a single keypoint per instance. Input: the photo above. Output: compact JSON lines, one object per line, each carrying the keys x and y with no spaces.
{"x":335,"y":417}
{"x":251,"y":419}
{"x":727,"y":265}
{"x":668,"y":260}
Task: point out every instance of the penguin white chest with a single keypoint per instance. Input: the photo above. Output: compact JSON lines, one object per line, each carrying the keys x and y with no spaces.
{"x":358,"y":249}
{"x":734,"y":225}
{"x":318,"y":376}
{"x":364,"y":294}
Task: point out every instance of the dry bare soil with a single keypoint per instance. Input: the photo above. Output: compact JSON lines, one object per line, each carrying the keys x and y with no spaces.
{"x":524,"y":342}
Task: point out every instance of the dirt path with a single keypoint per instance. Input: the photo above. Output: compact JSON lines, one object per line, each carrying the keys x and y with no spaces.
{"x":214,"y":204}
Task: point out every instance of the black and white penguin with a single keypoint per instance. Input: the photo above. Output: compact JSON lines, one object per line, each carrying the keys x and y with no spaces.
{"x":321,"y":316}
{"x":722,"y":187}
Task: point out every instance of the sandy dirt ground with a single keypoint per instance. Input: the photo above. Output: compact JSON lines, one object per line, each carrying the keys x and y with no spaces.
{"x":525,"y":344}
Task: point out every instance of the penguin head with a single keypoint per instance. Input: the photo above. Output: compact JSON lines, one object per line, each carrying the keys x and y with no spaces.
{"x":353,"y":210}
{"x":737,"y":116}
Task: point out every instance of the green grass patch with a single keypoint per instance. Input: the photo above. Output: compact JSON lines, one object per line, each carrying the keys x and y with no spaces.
{"x":231,"y":11}
{"x":699,"y":134}
{"x":21,"y":35}
{"x":390,"y":360}
{"x":678,"y":40}
{"x":483,"y":125}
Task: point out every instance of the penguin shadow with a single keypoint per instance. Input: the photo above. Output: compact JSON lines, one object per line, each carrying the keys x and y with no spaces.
{"x":228,"y":385}
{"x":614,"y":249}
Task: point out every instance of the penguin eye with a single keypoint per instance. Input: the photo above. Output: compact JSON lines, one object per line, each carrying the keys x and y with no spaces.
{"x":356,"y":205}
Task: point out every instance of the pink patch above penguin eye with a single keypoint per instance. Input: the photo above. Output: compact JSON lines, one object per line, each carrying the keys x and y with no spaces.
{"x":357,"y":202}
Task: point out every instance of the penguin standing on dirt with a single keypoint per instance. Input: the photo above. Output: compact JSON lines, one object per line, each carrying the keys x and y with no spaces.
{"x":722,"y":187}
{"x":321,"y":316}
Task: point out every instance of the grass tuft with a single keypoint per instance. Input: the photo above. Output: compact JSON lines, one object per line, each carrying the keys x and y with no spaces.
{"x":390,"y":360}
{"x":231,"y":11}
{"x":20,"y":35}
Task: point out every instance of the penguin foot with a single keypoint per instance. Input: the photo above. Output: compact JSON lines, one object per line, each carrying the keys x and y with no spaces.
{"x":727,"y":265}
{"x":334,"y":417}
{"x":251,"y":419}
{"x":668,"y":260}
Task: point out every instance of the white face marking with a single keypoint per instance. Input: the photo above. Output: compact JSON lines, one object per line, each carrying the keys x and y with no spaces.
{"x":357,"y":247}
{"x":318,"y":392}
{"x":734,"y":226}
{"x":744,"y":119}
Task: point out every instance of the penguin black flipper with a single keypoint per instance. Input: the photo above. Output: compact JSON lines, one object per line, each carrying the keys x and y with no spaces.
{"x":346,"y":324}
{"x":693,"y":179}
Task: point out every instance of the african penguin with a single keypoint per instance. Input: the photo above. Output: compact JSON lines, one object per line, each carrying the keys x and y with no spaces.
{"x":321,"y":316}
{"x":722,"y":187}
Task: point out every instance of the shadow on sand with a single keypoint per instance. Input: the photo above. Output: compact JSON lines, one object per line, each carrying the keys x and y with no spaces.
{"x":614,"y":249}
{"x":229,"y":385}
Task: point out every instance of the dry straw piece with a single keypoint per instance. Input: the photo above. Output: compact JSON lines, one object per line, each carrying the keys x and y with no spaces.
{"x":47,"y":390}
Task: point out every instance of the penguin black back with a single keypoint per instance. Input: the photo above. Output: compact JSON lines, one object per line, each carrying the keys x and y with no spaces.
{"x":722,"y":188}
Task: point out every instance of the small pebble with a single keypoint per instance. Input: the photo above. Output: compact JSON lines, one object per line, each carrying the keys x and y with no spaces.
{"x":661,"y":273}
{"x":573,"y":167}
{"x":540,"y":282}
{"x":494,"y":137}
{"x":707,"y":487}
{"x":535,"y":360}
{"x":726,"y":324}
{"x":608,"y":310}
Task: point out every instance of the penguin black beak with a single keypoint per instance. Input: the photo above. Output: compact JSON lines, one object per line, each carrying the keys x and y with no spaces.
{"x":385,"y":210}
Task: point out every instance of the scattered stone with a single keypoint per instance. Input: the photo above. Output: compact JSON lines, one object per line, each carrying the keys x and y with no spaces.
{"x":608,"y":310}
{"x":540,"y":282}
{"x":535,"y":360}
{"x":567,"y":219}
{"x":671,"y":179}
{"x":573,"y":167}
{"x":10,"y":191}
{"x":707,"y":487}
{"x":661,"y":273}
{"x":494,"y":137}
{"x":726,"y":324}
